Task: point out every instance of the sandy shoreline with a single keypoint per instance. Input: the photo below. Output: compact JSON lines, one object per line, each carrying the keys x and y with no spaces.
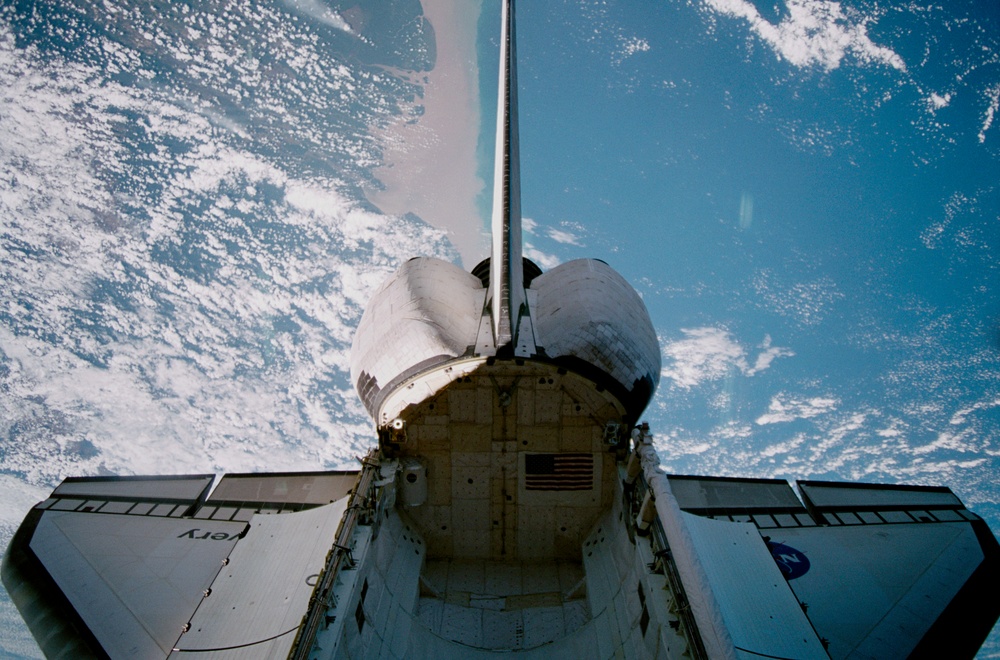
{"x":430,"y":166}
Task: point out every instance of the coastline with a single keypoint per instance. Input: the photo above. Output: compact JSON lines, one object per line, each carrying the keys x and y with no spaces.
{"x":430,"y":167}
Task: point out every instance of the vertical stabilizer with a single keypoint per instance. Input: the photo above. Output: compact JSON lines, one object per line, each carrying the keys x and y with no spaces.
{"x":509,"y":301}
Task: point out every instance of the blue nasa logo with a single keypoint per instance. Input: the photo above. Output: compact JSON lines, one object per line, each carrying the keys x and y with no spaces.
{"x":792,"y":563}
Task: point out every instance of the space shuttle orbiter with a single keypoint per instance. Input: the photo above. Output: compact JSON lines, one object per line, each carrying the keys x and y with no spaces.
{"x":433,"y":324}
{"x":513,"y":505}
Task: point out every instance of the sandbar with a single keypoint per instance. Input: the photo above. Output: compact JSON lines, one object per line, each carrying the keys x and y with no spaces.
{"x":429,"y":166}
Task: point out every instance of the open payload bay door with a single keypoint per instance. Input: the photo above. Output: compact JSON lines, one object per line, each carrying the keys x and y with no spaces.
{"x":879,"y":571}
{"x":154,"y":567}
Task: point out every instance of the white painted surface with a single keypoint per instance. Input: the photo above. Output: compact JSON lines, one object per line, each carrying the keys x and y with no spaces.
{"x":502,"y":605}
{"x":260,"y":596}
{"x":506,"y":289}
{"x":587,"y":310}
{"x":873,"y":590}
{"x":428,"y":308}
{"x":761,"y":613}
{"x":705,"y":607}
{"x":134,"y":580}
{"x":429,"y":312}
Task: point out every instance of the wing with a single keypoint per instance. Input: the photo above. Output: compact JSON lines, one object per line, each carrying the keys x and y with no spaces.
{"x":866,"y":570}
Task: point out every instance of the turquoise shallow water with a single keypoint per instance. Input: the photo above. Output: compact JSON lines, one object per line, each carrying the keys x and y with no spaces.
{"x":488,"y":45}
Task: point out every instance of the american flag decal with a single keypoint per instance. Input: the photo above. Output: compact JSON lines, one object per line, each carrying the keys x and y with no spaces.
{"x":559,"y":471}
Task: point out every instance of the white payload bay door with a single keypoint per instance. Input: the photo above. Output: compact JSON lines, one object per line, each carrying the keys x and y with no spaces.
{"x":145,"y":574}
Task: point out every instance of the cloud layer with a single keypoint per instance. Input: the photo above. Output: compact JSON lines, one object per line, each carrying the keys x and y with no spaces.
{"x":710,"y":353}
{"x":813,"y":33}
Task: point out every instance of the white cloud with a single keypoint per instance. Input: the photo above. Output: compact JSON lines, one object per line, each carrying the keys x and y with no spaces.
{"x":807,"y":302}
{"x":785,"y":408}
{"x":545,"y":260}
{"x":629,"y":46}
{"x":961,"y":416}
{"x":993,"y":104}
{"x":813,"y":33}
{"x":961,"y":442}
{"x":710,"y":353}
{"x":842,"y":428}
{"x":733,"y":430}
{"x":784,"y":448}
{"x":634,"y":45}
{"x":17,"y":498}
{"x":193,"y":324}
{"x":936,"y":101}
{"x":604,"y":31}
{"x":704,"y":354}
{"x":768,"y":355}
{"x":564,"y":237}
{"x":939,"y":471}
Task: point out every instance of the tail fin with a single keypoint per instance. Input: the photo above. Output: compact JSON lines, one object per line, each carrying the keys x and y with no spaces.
{"x":509,"y":304}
